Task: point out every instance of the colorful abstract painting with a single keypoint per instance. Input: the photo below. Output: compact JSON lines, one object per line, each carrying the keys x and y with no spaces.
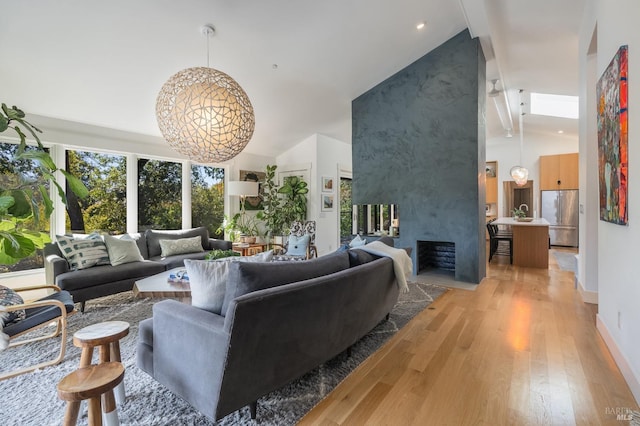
{"x":612,"y":139}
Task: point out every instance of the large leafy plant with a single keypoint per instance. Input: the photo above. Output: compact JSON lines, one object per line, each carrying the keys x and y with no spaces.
{"x":27,"y":200}
{"x":283,"y":204}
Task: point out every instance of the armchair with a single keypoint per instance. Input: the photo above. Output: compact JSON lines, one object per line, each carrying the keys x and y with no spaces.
{"x":298,"y":230}
{"x":39,"y":313}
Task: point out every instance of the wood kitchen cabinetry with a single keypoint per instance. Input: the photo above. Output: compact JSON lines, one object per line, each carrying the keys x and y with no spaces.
{"x":559,"y":172}
{"x":491,"y":185}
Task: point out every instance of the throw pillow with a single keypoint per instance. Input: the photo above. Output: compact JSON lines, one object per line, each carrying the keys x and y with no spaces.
{"x":180,"y":246}
{"x":358,"y":241}
{"x":122,"y":250}
{"x":82,"y":253}
{"x":297,"y":246}
{"x":8,"y":297}
{"x":208,"y":279}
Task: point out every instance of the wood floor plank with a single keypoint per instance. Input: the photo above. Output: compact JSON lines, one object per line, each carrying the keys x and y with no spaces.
{"x":522,"y":349}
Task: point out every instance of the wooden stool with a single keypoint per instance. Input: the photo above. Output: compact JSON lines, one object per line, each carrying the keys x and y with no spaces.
{"x":91,"y":383}
{"x":107,"y":336}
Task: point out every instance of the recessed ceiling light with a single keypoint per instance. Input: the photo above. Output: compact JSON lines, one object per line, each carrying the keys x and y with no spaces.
{"x":420,"y":25}
{"x":561,"y":131}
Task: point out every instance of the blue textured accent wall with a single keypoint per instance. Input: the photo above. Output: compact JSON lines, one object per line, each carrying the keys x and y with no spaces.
{"x":419,"y":142}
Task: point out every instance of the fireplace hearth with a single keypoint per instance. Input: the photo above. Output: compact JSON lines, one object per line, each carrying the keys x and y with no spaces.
{"x":436,"y":255}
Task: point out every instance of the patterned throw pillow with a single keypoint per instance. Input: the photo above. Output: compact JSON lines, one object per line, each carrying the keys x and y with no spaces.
{"x":180,"y":246}
{"x":358,"y":241}
{"x":82,"y":253}
{"x":9,"y":297}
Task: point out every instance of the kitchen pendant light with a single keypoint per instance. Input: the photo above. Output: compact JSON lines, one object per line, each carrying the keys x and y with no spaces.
{"x":520,"y":174}
{"x":205,"y":114}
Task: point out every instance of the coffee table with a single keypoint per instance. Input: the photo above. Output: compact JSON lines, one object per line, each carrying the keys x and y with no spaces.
{"x":159,"y":286}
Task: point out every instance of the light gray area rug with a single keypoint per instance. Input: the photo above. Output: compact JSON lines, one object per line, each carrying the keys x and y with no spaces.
{"x":566,"y":260}
{"x":32,"y":399}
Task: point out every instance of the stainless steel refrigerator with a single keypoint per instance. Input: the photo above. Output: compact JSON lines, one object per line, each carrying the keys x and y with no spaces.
{"x":560,"y":209}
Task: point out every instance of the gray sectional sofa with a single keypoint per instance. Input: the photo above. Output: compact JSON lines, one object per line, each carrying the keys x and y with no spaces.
{"x":104,"y":280}
{"x":279,"y":320}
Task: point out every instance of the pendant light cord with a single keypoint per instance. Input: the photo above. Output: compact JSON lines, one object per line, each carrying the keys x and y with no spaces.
{"x":521,"y":124}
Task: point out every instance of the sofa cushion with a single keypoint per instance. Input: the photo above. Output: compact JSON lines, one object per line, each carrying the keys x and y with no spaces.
{"x":140,"y":240}
{"x":9,"y":297}
{"x":180,"y":246}
{"x":122,"y":250}
{"x":99,"y":275}
{"x":153,"y":238}
{"x":249,"y":277}
{"x":82,"y":253}
{"x":178,"y":259}
{"x":208,"y":279}
{"x":360,"y":257}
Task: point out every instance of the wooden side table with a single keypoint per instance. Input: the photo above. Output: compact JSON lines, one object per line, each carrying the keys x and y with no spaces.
{"x":105,"y":335}
{"x":246,"y":249}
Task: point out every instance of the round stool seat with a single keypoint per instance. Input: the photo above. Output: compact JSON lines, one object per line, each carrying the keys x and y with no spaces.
{"x":100,"y":334}
{"x":90,"y":382}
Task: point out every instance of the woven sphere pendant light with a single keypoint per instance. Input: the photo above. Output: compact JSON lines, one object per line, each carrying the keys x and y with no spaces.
{"x":205,"y":114}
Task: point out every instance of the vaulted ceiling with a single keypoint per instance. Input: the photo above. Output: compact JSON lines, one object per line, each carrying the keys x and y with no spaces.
{"x":301,"y":62}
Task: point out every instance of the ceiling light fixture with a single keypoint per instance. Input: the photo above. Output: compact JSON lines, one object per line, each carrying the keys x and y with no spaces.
{"x":420,"y":26}
{"x":502,"y":108}
{"x":205,"y":114}
{"x":520,"y":173}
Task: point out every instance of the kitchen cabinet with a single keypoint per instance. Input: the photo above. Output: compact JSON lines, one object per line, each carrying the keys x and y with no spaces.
{"x":559,"y":172}
{"x":491,"y":186}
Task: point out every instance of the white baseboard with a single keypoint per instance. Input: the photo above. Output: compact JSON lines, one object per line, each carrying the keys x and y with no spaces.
{"x":620,"y":359}
{"x":587,"y":296}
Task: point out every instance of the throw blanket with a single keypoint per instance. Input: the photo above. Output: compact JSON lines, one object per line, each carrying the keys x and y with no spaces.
{"x":402,"y":264}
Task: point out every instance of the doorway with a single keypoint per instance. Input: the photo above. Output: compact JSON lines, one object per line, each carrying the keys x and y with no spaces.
{"x":516,"y":196}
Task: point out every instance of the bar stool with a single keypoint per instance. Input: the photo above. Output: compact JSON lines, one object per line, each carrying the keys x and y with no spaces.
{"x":92,"y":383}
{"x":105,"y":335}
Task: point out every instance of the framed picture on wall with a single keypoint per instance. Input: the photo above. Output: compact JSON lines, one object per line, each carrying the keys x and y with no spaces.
{"x":327,"y":203}
{"x":327,"y":184}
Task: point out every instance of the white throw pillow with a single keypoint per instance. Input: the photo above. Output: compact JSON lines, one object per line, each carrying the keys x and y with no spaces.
{"x":122,"y":250}
{"x":208,"y":279}
{"x":180,"y":246}
{"x":358,"y":241}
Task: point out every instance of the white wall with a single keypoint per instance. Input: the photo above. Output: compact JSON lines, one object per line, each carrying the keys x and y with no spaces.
{"x":506,"y":151}
{"x":618,"y":246}
{"x":322,"y":154}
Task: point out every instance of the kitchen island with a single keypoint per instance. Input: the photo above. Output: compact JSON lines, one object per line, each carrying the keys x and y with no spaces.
{"x":530,"y":241}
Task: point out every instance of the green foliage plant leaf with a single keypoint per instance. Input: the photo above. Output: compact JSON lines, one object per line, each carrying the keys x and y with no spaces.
{"x":6,"y":201}
{"x":75,"y":184}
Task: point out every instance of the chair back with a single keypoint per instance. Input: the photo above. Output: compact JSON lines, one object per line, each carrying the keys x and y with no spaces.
{"x":299,"y":229}
{"x":492,"y":229}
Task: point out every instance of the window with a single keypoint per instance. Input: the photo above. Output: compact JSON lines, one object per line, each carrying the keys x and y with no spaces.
{"x":12,"y":174}
{"x":105,"y":209}
{"x":346,"y":211}
{"x":159,"y":194}
{"x":207,"y":198}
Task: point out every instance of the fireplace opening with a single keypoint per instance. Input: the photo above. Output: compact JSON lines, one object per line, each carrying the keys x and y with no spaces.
{"x":436,"y":255}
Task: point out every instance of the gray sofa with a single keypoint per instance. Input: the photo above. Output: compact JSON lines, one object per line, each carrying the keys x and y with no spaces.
{"x":281,"y":320}
{"x":104,"y":280}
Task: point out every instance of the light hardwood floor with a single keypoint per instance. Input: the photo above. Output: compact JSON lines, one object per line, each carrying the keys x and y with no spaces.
{"x":520,"y":350}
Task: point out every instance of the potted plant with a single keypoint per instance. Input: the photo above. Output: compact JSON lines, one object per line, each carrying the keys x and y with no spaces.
{"x":27,"y":200}
{"x":271,"y":214}
{"x":518,"y":213}
{"x":294,"y":199}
